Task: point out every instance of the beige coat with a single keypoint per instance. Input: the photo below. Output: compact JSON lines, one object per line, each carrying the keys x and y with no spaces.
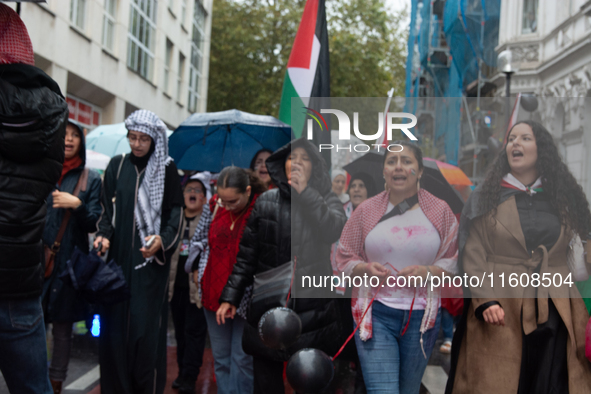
{"x":490,"y":356}
{"x":174,"y":266}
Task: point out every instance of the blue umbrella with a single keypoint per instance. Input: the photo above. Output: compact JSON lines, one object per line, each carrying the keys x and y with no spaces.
{"x":212,"y":141}
{"x":110,"y":140}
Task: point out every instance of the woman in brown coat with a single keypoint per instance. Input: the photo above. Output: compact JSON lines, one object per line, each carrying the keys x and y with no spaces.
{"x":521,"y":221}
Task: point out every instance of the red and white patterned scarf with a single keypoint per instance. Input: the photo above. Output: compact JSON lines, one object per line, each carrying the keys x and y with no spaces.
{"x":15,"y":44}
{"x":351,"y":251}
{"x":513,"y":183}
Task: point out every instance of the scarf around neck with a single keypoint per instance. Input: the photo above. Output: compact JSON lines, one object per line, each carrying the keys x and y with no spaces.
{"x":513,"y":183}
{"x":69,"y":165}
{"x":148,"y":209}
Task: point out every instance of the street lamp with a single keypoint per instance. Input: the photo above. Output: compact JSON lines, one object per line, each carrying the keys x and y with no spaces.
{"x":508,"y":64}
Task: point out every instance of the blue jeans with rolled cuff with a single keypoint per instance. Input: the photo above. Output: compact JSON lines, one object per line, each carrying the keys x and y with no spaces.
{"x":233,"y":368}
{"x":447,"y":325}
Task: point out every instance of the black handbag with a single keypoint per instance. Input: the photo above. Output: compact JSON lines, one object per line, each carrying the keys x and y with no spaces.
{"x":270,"y":290}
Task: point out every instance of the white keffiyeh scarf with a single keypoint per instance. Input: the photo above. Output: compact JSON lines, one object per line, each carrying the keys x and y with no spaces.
{"x":148,"y":209}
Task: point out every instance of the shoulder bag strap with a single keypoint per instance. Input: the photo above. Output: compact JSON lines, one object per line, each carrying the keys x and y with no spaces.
{"x":80,"y":185}
{"x":215,"y":210}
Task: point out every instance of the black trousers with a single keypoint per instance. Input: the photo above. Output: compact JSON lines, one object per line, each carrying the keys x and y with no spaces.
{"x":190,"y":331}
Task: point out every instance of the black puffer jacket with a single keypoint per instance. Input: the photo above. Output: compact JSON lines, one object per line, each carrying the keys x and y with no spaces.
{"x":317,"y":218}
{"x":33,"y":116}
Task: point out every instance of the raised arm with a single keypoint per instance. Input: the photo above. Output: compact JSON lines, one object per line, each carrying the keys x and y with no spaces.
{"x":323,"y":213}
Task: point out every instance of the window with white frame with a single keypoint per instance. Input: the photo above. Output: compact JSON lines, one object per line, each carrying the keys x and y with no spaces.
{"x":85,"y":113}
{"x":183,"y":11}
{"x":109,"y":19}
{"x":78,"y":13}
{"x":199,"y":15}
{"x":181,"y":70}
{"x":141,"y":37}
{"x":167,"y":64}
{"x":530,"y":17}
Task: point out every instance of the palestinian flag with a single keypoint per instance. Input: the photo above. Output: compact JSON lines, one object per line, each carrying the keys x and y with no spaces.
{"x":307,"y":71}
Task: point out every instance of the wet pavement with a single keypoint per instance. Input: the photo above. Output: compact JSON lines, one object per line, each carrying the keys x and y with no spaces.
{"x":83,"y":373}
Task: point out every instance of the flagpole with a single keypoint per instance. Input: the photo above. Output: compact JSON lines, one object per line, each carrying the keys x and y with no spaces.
{"x":386,"y":110}
{"x":513,"y":117}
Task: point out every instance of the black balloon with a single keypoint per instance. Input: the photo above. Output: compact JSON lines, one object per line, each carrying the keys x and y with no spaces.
{"x":529,"y":102}
{"x":309,"y":371}
{"x":280,"y":328}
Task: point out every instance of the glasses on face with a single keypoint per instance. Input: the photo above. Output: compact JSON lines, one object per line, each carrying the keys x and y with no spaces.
{"x":143,"y":140}
{"x":193,"y":190}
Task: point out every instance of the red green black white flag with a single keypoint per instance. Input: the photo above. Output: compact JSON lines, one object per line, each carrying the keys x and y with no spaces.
{"x":308,"y":73}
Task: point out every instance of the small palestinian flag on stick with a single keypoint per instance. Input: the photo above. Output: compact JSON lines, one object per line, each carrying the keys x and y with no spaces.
{"x":308,"y":72}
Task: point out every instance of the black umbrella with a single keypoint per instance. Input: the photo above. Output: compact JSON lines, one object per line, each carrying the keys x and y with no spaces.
{"x":97,"y":281}
{"x":433,"y":180}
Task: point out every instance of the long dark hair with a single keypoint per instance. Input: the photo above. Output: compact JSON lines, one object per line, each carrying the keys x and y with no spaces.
{"x":566,"y":195}
{"x":256,"y":155}
{"x":240,"y":179}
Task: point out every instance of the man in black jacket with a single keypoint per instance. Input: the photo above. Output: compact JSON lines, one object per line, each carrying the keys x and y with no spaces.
{"x":33,"y":116}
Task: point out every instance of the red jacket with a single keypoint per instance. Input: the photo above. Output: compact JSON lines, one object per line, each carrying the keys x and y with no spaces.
{"x":223,"y":244}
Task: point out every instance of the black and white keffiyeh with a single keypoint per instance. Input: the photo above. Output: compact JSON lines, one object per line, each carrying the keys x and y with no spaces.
{"x":200,"y":248}
{"x":148,"y":209}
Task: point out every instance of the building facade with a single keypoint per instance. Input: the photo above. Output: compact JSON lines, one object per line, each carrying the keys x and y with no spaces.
{"x":553,"y":41}
{"x":111,"y":57}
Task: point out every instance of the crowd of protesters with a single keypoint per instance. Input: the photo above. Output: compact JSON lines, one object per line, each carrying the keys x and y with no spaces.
{"x":196,"y":253}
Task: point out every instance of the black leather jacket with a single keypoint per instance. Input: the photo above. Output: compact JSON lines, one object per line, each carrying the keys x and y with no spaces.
{"x":317,"y":218}
{"x":33,"y":116}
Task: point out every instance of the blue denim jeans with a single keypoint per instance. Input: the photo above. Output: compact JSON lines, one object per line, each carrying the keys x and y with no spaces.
{"x":447,"y":325}
{"x":23,"y":352}
{"x":233,"y":367}
{"x":394,"y":363}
